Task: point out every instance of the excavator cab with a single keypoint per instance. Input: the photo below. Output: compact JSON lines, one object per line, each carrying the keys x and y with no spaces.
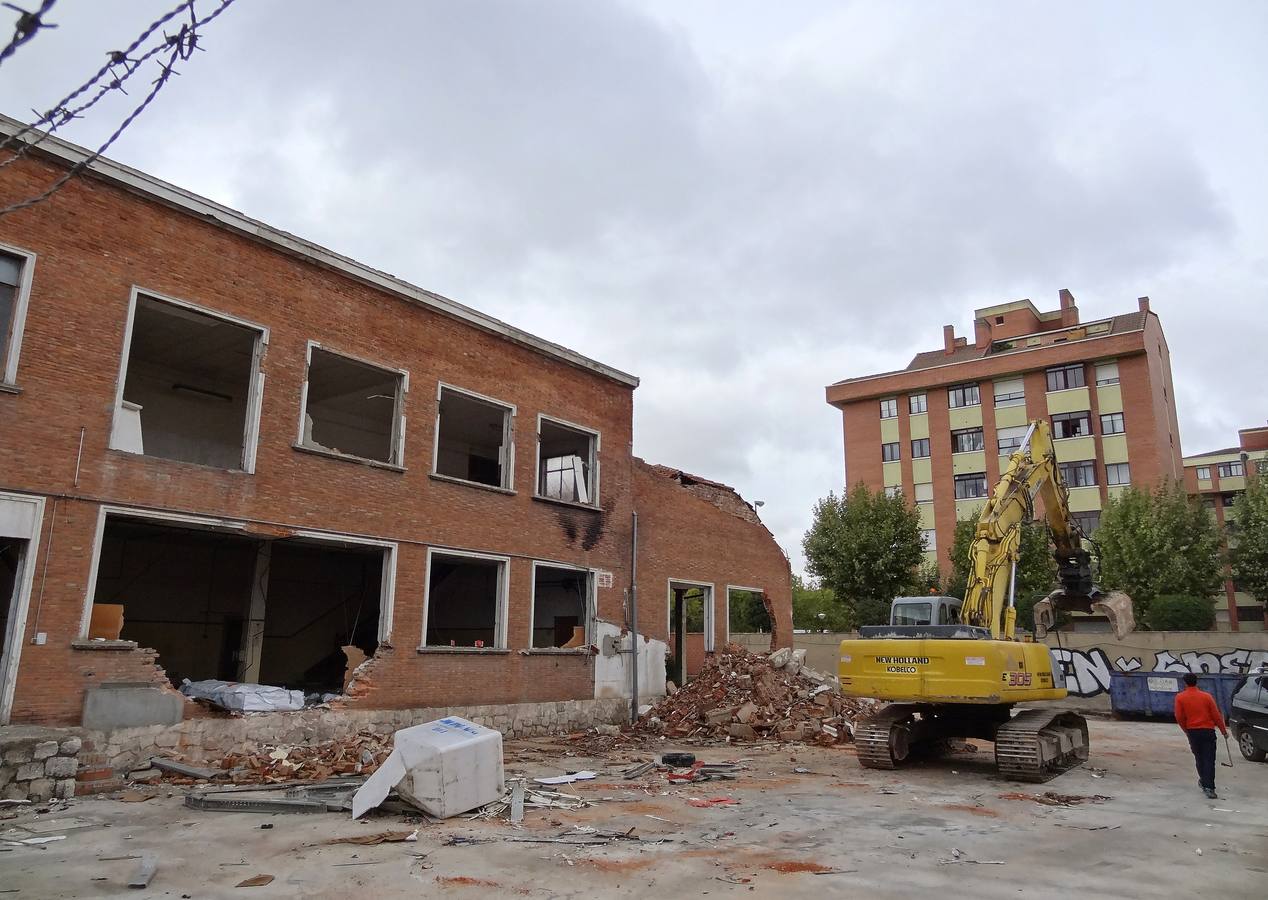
{"x":1079,"y":593}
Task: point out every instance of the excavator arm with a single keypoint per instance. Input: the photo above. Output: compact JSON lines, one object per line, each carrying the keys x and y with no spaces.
{"x":989,"y":600}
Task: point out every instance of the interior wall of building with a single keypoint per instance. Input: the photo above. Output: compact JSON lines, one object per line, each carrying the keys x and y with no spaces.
{"x":351,"y":407}
{"x":462,"y":599}
{"x":559,"y":605}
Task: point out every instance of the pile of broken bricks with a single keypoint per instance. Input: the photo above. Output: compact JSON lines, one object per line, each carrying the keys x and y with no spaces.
{"x":361,"y":754}
{"x":745,"y":696}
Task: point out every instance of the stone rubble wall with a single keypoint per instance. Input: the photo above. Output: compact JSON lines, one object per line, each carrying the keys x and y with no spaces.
{"x":38,"y":764}
{"x":108,"y":756}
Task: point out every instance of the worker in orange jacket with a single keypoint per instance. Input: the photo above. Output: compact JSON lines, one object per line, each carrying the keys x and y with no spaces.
{"x":1199,"y":716}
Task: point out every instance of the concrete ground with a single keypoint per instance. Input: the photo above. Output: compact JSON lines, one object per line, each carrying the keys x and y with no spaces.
{"x":836,"y":829}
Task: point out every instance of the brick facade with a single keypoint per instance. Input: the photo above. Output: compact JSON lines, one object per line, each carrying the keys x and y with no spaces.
{"x":114,"y":230}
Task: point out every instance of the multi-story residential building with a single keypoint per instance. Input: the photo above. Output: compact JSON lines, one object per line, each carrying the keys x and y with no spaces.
{"x":228,"y":453}
{"x":941,"y":430}
{"x":1217,"y":477}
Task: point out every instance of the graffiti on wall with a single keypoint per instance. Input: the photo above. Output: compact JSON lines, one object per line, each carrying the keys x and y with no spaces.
{"x":1087,"y":672}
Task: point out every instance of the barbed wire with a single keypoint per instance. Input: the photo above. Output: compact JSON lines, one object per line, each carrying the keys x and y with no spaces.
{"x":181,"y":46}
{"x":25,"y":28}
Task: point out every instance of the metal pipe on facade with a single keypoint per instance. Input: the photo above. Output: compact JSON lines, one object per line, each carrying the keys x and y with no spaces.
{"x":634,"y":620}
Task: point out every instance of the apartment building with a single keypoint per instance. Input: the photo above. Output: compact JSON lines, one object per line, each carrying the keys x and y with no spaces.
{"x":1216,"y":478}
{"x":941,"y":429}
{"x":228,"y":453}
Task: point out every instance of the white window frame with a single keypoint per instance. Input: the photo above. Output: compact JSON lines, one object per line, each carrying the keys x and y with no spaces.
{"x":398,"y":420}
{"x":1009,"y":397}
{"x":595,"y":448}
{"x":508,"y":436}
{"x":931,"y":545}
{"x":1110,"y":365}
{"x":592,"y":602}
{"x":255,"y":390}
{"x":727,"y":606}
{"x":1109,"y":466}
{"x":387,"y":584}
{"x":1207,"y":470}
{"x":27,"y":525}
{"x":500,"y":610}
{"x":672,"y":583}
{"x":894,"y":402}
{"x":21,"y":302}
{"x":911,"y":404}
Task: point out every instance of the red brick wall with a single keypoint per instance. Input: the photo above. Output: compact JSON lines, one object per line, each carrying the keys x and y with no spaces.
{"x":94,"y":242}
{"x":681,"y":536}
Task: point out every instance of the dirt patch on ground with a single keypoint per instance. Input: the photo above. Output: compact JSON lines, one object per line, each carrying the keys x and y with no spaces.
{"x":973,"y":810}
{"x":617,"y":865}
{"x":793,"y":867}
{"x":465,"y":881}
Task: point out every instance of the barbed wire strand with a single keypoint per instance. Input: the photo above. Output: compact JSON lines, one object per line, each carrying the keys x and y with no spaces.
{"x":183,"y":44}
{"x":59,"y":115}
{"x":28,"y":24}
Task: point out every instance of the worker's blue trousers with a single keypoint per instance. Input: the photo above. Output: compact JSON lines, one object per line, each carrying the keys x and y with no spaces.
{"x":1202,"y":742}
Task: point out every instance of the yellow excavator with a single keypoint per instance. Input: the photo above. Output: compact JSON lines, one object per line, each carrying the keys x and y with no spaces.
{"x":962,"y":679}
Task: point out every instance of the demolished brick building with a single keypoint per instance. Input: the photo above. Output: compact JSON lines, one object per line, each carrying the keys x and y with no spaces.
{"x":229,"y":454}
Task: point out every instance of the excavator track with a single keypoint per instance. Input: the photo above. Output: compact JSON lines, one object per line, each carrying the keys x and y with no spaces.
{"x":1038,"y":744}
{"x":882,"y":740}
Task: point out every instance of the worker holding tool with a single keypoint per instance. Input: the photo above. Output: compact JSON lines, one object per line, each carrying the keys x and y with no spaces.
{"x":1199,"y":716}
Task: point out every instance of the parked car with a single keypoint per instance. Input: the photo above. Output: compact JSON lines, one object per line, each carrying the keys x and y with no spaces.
{"x":1248,"y":718}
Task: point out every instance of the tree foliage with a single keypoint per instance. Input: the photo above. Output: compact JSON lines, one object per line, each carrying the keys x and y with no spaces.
{"x":1177,"y":612}
{"x":812,"y":603}
{"x":1248,"y":539}
{"x":866,"y":548}
{"x":1155,"y":543}
{"x":747,"y":613}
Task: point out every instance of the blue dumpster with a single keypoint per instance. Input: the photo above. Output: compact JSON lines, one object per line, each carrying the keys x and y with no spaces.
{"x":1154,"y":693}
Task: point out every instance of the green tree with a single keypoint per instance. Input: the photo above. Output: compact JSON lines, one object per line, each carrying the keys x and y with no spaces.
{"x":866,"y":548}
{"x":1159,"y":542}
{"x":1248,"y":539}
{"x":747,"y":613}
{"x":1036,"y":568}
{"x":1177,"y":612}
{"x":817,"y":609}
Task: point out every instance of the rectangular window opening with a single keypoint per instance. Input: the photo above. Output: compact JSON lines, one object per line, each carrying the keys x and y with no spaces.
{"x":189,"y":390}
{"x":970,"y":486}
{"x":1088,"y":522}
{"x":352,"y":408}
{"x":966,"y":440}
{"x":561,"y":607}
{"x":1107,"y":373}
{"x":1068,"y":425}
{"x":917,"y":404}
{"x":1010,"y":393}
{"x":920,"y":448}
{"x":889,"y":408}
{"x":221,"y":605}
{"x":12,"y":277}
{"x":1112,"y":423}
{"x":566,"y":462}
{"x":466,"y":597}
{"x":930,"y":538}
{"x":964,"y":395}
{"x":1063,"y":378}
{"x":889,"y":452}
{"x":1009,"y":439}
{"x":1078,"y":474}
{"x":1230,"y":470}
{"x":473,"y":440}
{"x":1204,"y":473}
{"x":1118,"y":473}
{"x":747,"y":612}
{"x":924,"y":492}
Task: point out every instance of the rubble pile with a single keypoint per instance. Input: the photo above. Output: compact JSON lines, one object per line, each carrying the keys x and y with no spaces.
{"x":746,"y":696}
{"x":360,"y":754}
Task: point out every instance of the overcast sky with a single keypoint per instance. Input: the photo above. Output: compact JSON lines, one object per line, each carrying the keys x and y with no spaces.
{"x":739,"y":201}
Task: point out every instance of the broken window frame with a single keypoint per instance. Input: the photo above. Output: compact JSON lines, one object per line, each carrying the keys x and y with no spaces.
{"x":23,"y":521}
{"x":397,"y":460}
{"x":595,"y":447}
{"x":709,"y":620}
{"x":727,"y":605}
{"x":255,"y":388}
{"x":591,"y":602}
{"x":509,"y":410}
{"x":11,"y":332}
{"x":501,"y":607}
{"x":387,"y":581}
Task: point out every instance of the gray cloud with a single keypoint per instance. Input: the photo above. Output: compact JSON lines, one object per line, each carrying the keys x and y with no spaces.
{"x":742,"y":205}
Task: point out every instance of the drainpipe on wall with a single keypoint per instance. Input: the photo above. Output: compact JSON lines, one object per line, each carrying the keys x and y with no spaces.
{"x":634,"y":620}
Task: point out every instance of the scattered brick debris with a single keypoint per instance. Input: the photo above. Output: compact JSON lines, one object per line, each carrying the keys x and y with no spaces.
{"x":743,"y":696}
{"x":361,"y":754}
{"x":1052,"y":798}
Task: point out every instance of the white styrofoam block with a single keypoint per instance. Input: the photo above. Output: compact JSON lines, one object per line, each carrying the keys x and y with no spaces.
{"x":445,"y":768}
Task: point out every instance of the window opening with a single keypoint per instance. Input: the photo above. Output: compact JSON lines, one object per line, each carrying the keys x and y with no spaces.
{"x":351,"y":407}
{"x":473,"y":439}
{"x":920,"y":448}
{"x":970,"y":486}
{"x":917,"y":404}
{"x":1075,"y":424}
{"x":1065,"y":377}
{"x":889,"y":452}
{"x":1078,"y":474}
{"x":187,"y":390}
{"x":561,"y":606}
{"x":966,"y":440}
{"x":964,"y":395}
{"x":1118,"y":473}
{"x":889,"y":408}
{"x":465,"y":601}
{"x":747,"y":612}
{"x":566,"y":463}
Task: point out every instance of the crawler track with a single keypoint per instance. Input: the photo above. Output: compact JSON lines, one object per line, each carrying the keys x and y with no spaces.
{"x":1038,"y":744}
{"x":882,"y":740}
